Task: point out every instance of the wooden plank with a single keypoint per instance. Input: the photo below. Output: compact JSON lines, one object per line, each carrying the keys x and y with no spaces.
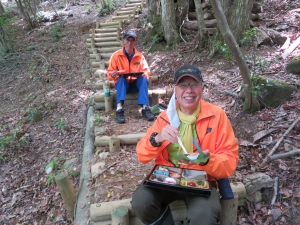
{"x":100,"y":35}
{"x":126,"y":139}
{"x":102,"y":56}
{"x":102,"y":39}
{"x":109,"y":24}
{"x":102,"y":211}
{"x":99,"y":97}
{"x":105,"y":50}
{"x":106,"y":30}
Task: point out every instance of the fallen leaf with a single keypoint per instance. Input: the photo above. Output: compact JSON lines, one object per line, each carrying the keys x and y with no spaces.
{"x":296,"y":194}
{"x":286,"y":192}
{"x":262,"y":134}
{"x":246,"y":143}
{"x":82,"y":206}
{"x":276,"y":213}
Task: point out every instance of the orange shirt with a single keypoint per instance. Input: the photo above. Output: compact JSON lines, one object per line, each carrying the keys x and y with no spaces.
{"x":119,"y":61}
{"x":214,"y":133}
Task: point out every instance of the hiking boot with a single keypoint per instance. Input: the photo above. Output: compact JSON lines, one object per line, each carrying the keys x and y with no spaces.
{"x":120,"y":118}
{"x":147,"y":114}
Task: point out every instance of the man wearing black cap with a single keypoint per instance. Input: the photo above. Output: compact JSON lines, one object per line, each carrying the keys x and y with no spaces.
{"x":190,"y":127}
{"x":129,"y":60}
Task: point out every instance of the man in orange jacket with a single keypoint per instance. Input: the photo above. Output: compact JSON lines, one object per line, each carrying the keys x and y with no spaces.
{"x":199,"y":125}
{"x":125,"y":61}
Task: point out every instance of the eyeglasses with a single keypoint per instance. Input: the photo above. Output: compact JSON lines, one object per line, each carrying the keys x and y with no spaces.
{"x":130,"y":40}
{"x":185,"y":86}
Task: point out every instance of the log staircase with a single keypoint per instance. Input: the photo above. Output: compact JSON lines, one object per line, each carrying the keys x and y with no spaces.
{"x":104,"y":40}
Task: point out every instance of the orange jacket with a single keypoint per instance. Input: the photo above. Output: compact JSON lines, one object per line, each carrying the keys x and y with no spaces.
{"x":119,"y":61}
{"x":214,"y":133}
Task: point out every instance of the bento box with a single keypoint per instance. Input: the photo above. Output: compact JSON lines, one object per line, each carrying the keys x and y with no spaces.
{"x":178,"y":179}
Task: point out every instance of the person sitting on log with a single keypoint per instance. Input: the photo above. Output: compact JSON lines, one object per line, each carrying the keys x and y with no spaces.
{"x":198,"y":125}
{"x":125,"y":61}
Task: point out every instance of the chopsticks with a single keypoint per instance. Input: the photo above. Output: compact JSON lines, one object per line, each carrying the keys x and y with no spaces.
{"x":182,"y":146}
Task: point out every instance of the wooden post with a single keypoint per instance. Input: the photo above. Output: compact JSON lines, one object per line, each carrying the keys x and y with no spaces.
{"x":119,"y":216}
{"x":67,"y":191}
{"x":114,"y":144}
{"x":229,"y":210}
{"x":108,"y":103}
{"x":155,"y":99}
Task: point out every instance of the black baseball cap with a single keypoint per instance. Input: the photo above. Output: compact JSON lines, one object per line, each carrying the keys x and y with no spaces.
{"x":188,"y":71}
{"x":129,"y":33}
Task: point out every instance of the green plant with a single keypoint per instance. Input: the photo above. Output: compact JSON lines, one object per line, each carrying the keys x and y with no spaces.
{"x":34,"y":115}
{"x":54,"y":33}
{"x":6,"y":38}
{"x":107,"y":4}
{"x":14,"y":137}
{"x":61,"y":125}
{"x":22,"y":91}
{"x":224,"y":50}
{"x":98,"y":117}
{"x":30,"y":48}
{"x":55,"y":166}
{"x":258,"y":86}
{"x":6,"y":141}
{"x":157,"y":38}
{"x":32,"y":68}
{"x":249,"y":35}
{"x":258,"y":83}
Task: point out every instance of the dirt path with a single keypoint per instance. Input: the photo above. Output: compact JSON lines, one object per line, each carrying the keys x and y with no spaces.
{"x":50,"y":87}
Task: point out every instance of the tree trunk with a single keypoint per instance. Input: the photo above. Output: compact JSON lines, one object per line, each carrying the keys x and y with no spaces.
{"x":27,"y":9}
{"x":170,"y":29}
{"x":182,"y":11}
{"x":152,"y":9}
{"x":2,"y":11}
{"x":251,"y":103}
{"x":238,"y":14}
{"x":200,"y":20}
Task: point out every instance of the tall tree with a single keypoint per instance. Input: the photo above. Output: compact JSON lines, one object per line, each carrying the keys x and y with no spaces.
{"x":152,"y":9}
{"x":1,"y":9}
{"x":171,"y":33}
{"x":28,"y":10}
{"x":251,"y":103}
{"x":237,"y":14}
{"x":200,"y":20}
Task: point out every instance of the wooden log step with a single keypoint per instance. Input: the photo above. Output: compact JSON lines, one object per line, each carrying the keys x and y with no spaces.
{"x":123,"y":17}
{"x":102,"y":211}
{"x":125,"y":21}
{"x":105,"y":30}
{"x":105,"y":44}
{"x":116,"y":24}
{"x":122,"y":13}
{"x":101,"y":35}
{"x":134,"y":2}
{"x":127,"y":8}
{"x":98,"y":65}
{"x":125,"y":139}
{"x":99,"y":97}
{"x":133,"y":5}
{"x":104,"y":50}
{"x":103,"y":39}
{"x":102,"y":56}
{"x":99,"y":84}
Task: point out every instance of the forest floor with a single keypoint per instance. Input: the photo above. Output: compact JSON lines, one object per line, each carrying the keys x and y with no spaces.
{"x":45,"y":87}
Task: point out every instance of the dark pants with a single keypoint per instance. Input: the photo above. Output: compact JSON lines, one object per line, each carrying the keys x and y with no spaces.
{"x":139,"y":85}
{"x":150,"y":203}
